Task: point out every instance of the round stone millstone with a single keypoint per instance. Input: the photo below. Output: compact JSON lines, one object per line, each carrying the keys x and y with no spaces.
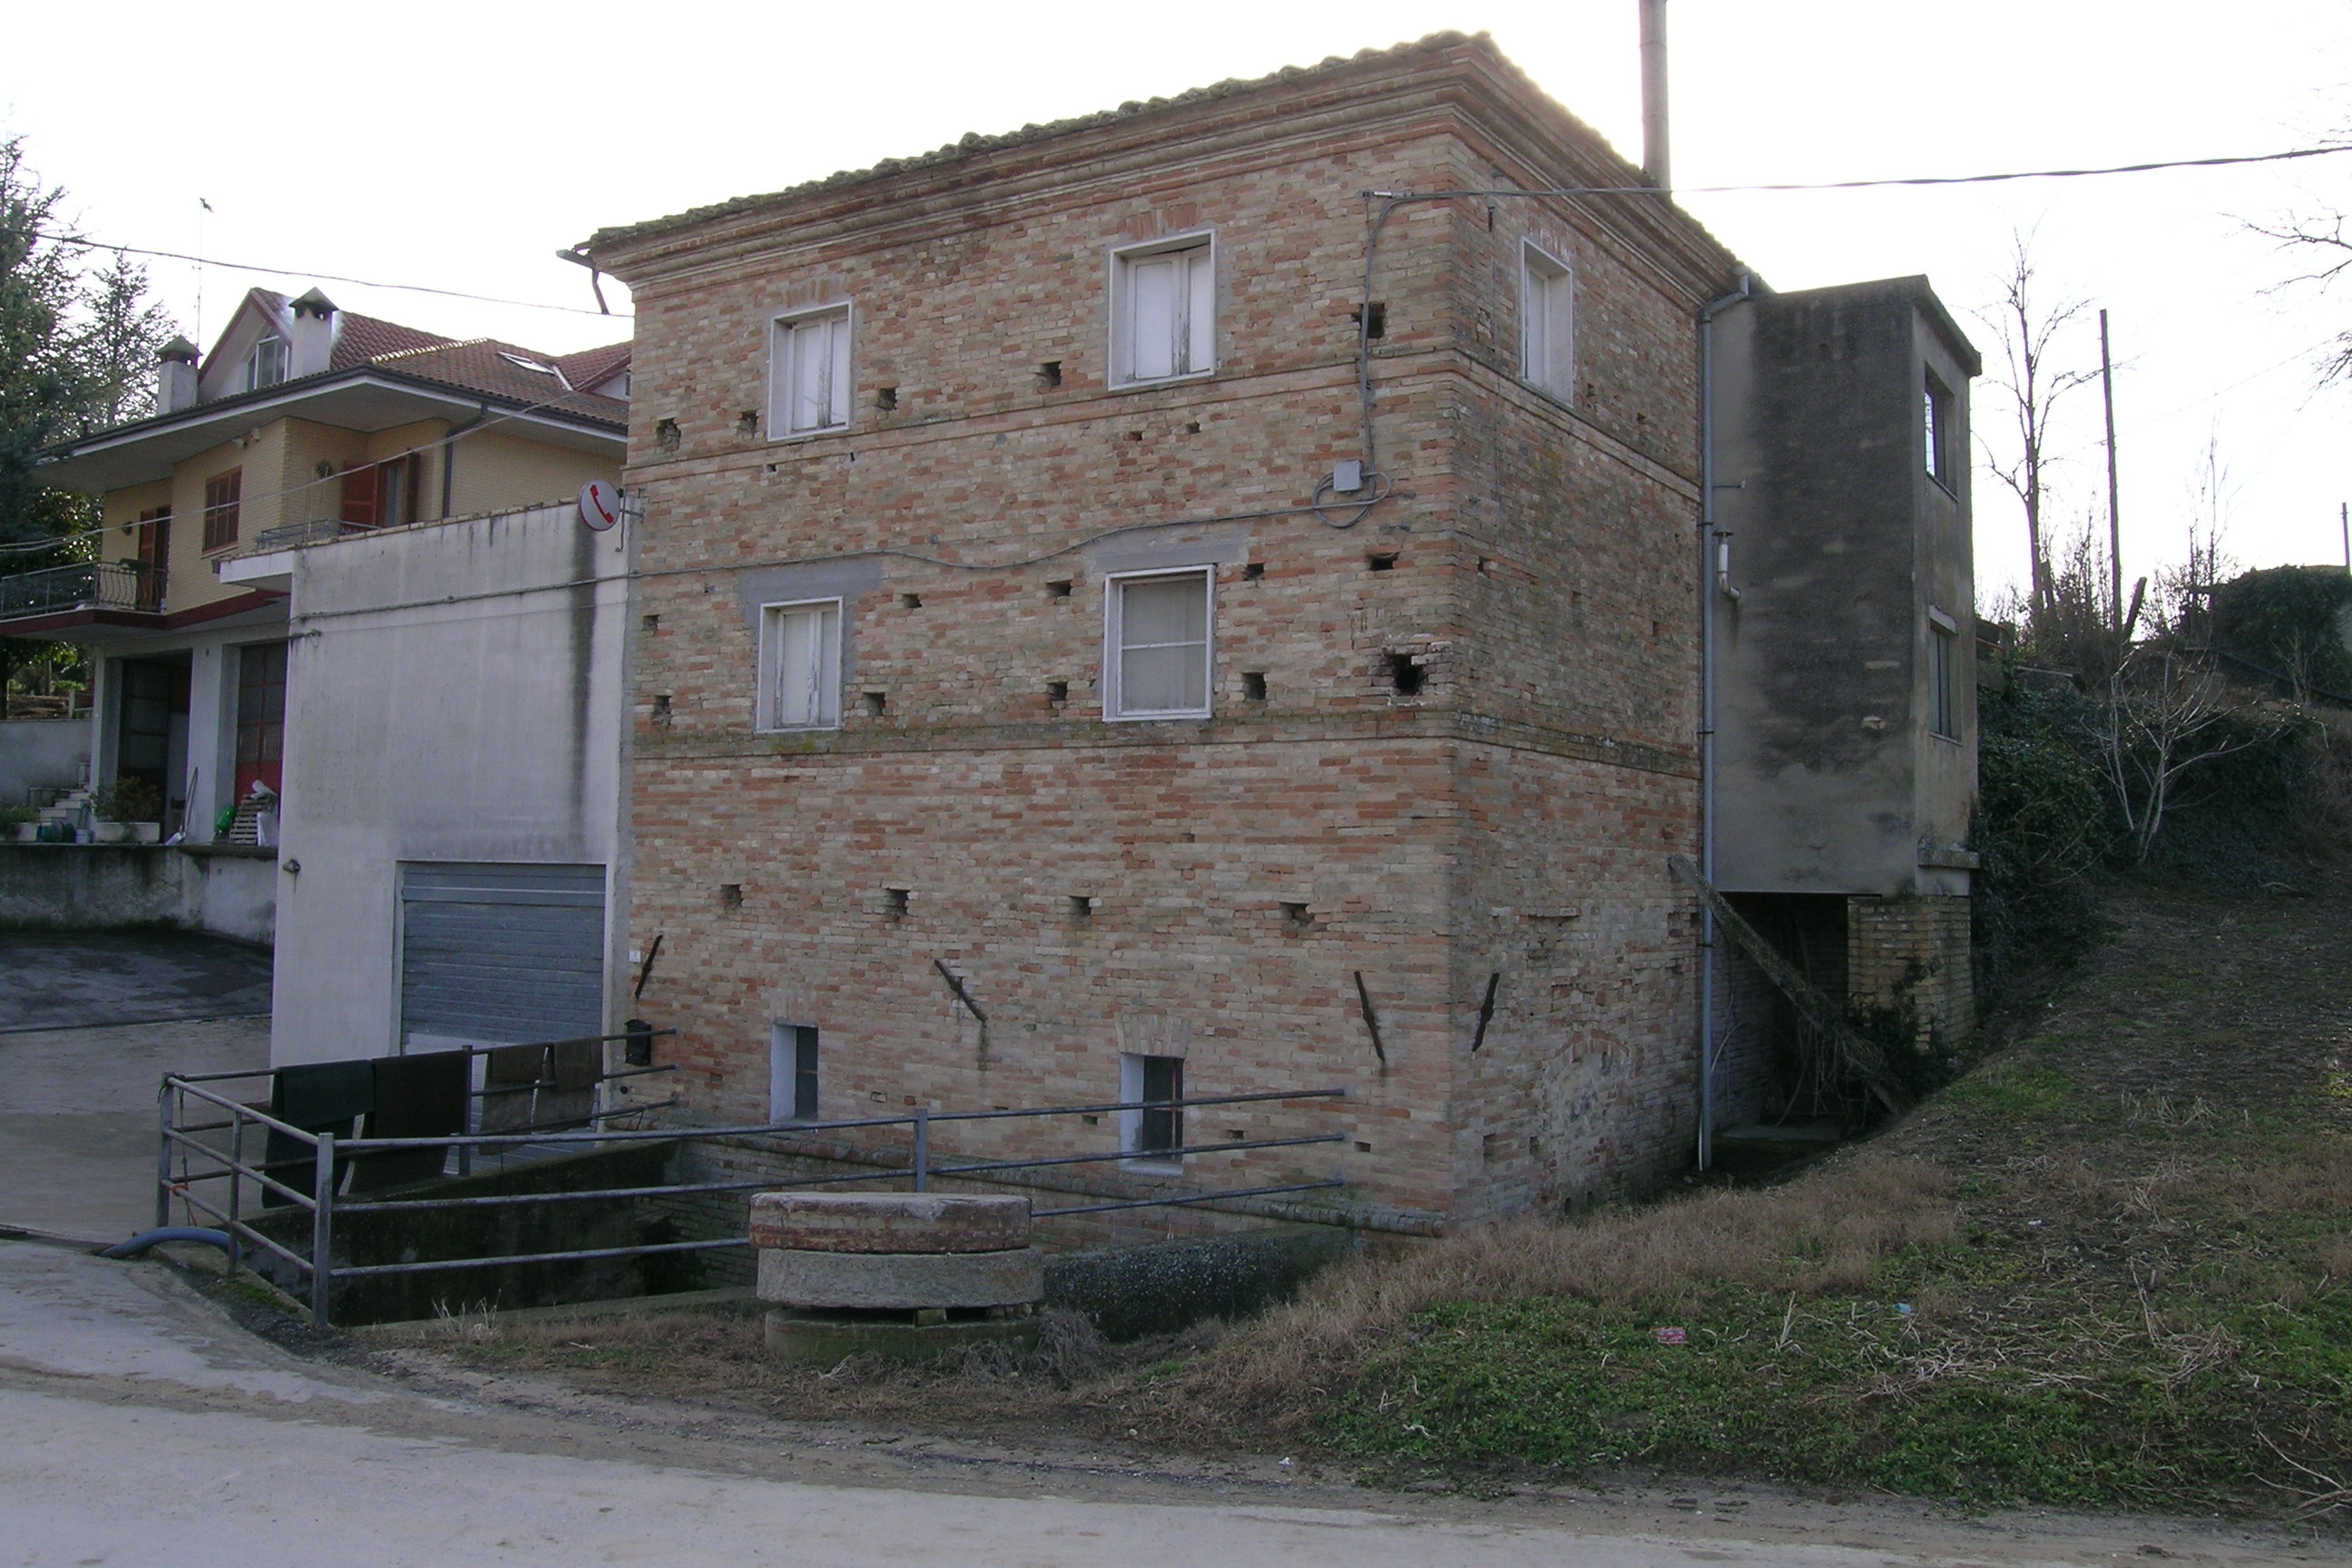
{"x":901,"y":1282}
{"x":889,"y":1222}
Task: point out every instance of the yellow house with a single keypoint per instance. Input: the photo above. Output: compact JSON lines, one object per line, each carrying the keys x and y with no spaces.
{"x":304,"y":424}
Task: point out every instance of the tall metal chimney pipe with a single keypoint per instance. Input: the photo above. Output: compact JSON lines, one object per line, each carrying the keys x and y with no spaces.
{"x":1656,"y":161}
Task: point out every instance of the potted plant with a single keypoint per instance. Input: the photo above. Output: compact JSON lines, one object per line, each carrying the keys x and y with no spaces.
{"x":21,"y":823}
{"x":127,"y":808}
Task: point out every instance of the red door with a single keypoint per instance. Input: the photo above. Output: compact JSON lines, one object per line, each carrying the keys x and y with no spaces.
{"x":261,"y":717}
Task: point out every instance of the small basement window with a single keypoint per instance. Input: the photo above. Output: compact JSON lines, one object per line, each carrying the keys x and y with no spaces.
{"x":1149,"y":1083}
{"x":792,"y":1073}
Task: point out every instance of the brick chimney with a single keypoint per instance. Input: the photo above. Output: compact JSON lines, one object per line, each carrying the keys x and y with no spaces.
{"x":175,"y":377}
{"x":314,"y":336}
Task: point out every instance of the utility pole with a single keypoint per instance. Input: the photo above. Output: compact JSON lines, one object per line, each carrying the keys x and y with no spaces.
{"x":2344,"y":516}
{"x":2114,"y":516}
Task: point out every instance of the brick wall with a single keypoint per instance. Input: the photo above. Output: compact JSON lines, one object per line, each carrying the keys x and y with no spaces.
{"x":1909,"y":958}
{"x":1254,"y":877}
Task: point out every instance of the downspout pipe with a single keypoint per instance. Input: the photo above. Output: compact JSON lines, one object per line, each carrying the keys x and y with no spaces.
{"x":1708,"y":545}
{"x":449,"y":456}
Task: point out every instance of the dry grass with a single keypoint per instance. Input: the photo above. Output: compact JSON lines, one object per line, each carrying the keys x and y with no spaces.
{"x":720,"y":1357}
{"x":1822,"y":1233}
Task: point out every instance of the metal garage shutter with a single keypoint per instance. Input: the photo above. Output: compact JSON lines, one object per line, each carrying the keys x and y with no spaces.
{"x":501,"y":953}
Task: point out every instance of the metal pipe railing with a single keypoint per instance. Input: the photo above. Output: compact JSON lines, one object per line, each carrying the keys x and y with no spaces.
{"x":329,"y":1156}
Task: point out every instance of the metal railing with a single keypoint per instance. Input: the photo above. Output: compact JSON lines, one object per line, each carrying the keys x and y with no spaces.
{"x":295,"y":535}
{"x":84,"y":586}
{"x":331,"y":1157}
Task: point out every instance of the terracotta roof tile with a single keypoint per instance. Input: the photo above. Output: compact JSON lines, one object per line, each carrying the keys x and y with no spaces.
{"x":487,"y":367}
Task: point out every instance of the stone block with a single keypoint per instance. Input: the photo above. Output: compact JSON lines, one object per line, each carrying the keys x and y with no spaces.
{"x":814,"y":1339}
{"x":901,"y":1282}
{"x":889,"y":1222}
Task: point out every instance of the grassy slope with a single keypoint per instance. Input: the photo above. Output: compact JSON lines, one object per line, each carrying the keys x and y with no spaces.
{"x":2122,"y":1244}
{"x":2121,"y":1241}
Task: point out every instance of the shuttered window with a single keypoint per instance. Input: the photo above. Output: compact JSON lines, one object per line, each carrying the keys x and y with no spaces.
{"x":800,"y":666}
{"x":1164,"y":312}
{"x":221,"y":500}
{"x":1547,"y":322}
{"x":809,"y":374}
{"x":501,"y":953}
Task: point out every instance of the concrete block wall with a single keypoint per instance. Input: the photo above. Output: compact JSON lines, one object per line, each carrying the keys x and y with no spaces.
{"x":1534,"y":561}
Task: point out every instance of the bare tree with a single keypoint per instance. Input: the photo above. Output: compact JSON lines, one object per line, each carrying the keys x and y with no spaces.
{"x":2317,"y":240}
{"x":2167,"y":713}
{"x":2028,"y":329}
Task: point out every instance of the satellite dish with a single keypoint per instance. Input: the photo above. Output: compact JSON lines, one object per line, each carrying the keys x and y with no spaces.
{"x":600,"y":505}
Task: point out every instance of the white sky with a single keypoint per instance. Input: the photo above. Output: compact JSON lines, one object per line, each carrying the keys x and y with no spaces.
{"x":458,"y":146}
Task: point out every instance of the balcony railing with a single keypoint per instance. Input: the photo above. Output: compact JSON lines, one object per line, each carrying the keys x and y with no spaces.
{"x":84,"y":586}
{"x":295,"y":535}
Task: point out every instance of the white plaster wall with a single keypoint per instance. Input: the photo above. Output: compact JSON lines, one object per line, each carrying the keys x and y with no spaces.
{"x":34,"y":751}
{"x":454,"y":693}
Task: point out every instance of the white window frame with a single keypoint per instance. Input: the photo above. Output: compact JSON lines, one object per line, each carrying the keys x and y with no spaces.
{"x":772,"y":620}
{"x":787,"y":338}
{"x":1114,"y":585}
{"x":1547,"y":320}
{"x":252,"y":369}
{"x":1201,"y":286}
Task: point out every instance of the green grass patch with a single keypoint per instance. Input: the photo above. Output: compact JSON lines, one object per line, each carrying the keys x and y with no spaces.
{"x":2011,"y":1089}
{"x":1828,"y":1390}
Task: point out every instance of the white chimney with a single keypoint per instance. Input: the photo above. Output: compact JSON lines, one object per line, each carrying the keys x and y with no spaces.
{"x":175,"y":377}
{"x":314,"y":336}
{"x":1656,"y":161}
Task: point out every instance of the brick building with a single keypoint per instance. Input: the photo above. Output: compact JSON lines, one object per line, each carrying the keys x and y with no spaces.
{"x":1101,"y":636}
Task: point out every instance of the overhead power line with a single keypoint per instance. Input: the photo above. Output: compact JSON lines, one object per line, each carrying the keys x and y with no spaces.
{"x":2031,"y":174}
{"x":323,"y":276}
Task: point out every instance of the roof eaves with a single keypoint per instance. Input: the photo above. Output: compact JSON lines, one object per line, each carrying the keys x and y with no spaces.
{"x":973,"y":141}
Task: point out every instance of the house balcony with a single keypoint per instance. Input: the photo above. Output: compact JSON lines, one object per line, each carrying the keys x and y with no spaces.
{"x":89,"y":588}
{"x":297,"y":536}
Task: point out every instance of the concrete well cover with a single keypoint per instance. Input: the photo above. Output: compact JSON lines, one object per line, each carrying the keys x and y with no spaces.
{"x":901,"y":1282}
{"x":889,"y":1222}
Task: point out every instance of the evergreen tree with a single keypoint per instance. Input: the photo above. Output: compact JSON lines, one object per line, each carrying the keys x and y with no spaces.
{"x":77,"y":354}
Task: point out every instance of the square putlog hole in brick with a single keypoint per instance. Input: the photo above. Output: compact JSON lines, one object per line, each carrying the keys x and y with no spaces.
{"x":1297,"y":916}
{"x":1059,"y":588}
{"x":1082,"y":909}
{"x":910,"y":601}
{"x":876,"y":704}
{"x":1253,"y":685}
{"x":1407,"y":674}
{"x":1381,"y":560}
{"x":894,"y":903}
{"x":730,"y":895}
{"x":1057,"y":692}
